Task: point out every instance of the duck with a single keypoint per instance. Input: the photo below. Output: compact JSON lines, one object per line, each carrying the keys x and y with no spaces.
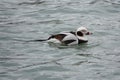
{"x":69,"y":37}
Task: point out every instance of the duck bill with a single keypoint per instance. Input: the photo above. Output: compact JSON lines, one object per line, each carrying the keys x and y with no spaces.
{"x":89,"y":33}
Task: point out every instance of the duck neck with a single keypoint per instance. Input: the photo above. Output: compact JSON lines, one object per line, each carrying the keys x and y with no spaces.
{"x":82,"y":39}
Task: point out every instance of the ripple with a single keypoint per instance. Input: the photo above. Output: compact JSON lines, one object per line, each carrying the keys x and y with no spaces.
{"x":51,"y":21}
{"x":32,"y":3}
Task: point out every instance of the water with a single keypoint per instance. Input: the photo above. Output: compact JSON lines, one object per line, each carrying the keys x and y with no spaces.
{"x":21,"y":20}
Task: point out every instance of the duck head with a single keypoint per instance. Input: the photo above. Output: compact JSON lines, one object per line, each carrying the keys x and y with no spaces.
{"x":81,"y":32}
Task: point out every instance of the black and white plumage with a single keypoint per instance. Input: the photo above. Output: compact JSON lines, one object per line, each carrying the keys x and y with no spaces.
{"x":63,"y":38}
{"x":69,"y":38}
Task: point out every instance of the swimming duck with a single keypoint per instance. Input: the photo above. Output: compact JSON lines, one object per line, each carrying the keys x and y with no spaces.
{"x":69,"y":38}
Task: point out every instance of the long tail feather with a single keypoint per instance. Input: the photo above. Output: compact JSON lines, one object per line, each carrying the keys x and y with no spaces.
{"x":39,"y":40}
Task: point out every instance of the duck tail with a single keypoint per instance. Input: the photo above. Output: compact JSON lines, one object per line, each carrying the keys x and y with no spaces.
{"x":37,"y":40}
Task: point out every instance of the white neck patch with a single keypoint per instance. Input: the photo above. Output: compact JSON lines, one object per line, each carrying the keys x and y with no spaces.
{"x":82,"y":38}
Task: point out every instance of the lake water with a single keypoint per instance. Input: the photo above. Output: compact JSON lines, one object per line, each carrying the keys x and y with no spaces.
{"x":22,"y":20}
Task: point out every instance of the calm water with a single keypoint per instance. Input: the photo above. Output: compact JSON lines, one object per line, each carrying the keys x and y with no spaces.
{"x":22,"y":20}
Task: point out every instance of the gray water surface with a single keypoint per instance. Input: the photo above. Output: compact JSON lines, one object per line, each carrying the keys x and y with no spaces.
{"x":22,"y":20}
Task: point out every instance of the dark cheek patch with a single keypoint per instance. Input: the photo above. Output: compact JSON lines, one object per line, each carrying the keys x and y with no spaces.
{"x":79,"y":33}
